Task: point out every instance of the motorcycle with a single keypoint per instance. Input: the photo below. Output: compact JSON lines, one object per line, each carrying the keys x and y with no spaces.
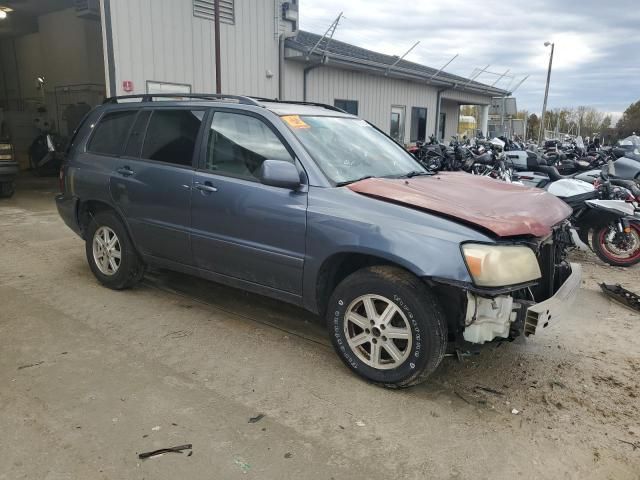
{"x":608,"y":210}
{"x":46,"y":154}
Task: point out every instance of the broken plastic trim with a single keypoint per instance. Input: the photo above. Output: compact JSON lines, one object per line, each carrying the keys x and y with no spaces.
{"x":622,"y":295}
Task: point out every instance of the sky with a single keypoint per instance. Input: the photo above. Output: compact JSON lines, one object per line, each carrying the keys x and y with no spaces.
{"x":597,"y":44}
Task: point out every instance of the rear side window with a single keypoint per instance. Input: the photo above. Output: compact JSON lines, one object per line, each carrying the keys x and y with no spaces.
{"x":110,"y":132}
{"x":171,"y":136}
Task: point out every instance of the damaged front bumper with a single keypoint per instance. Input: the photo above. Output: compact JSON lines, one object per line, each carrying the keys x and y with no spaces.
{"x":539,"y":316}
{"x":504,"y":316}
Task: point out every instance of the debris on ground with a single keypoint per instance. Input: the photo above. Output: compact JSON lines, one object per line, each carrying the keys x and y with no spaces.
{"x":461,"y":397}
{"x":162,"y":451}
{"x":489,"y":390}
{"x":244,"y":466}
{"x":621,"y":295}
{"x":156,"y":428}
{"x":360,"y":423}
{"x":515,"y":411}
{"x":288,"y":455}
{"x":257,"y":418}
{"x":30,"y":365}
{"x":635,"y":445}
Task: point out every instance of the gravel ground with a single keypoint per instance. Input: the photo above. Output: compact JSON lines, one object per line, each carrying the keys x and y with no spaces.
{"x":92,"y":377}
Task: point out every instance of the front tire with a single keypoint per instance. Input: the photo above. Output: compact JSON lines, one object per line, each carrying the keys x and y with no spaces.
{"x":110,"y":252}
{"x":615,"y":248}
{"x":386,"y":326}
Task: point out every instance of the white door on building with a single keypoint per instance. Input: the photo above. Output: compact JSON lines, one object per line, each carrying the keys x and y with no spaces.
{"x":396,"y":129}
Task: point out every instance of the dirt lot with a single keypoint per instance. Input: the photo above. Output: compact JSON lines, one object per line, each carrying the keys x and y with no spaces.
{"x":91,"y":376}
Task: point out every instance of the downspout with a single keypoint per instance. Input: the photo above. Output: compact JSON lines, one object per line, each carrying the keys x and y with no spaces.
{"x":281,"y":62}
{"x":281,"y":66}
{"x":305,"y":73}
{"x":438,"y":108}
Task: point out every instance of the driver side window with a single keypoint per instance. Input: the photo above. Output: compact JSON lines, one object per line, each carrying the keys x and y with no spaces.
{"x":238,"y":144}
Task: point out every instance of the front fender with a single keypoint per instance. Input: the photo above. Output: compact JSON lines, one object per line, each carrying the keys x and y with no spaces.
{"x":341,"y":221}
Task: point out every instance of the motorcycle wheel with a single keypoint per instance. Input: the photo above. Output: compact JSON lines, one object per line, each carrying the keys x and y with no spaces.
{"x":615,"y":248}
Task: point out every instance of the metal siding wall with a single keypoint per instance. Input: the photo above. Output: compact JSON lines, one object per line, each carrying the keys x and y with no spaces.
{"x":161,"y":40}
{"x":452,"y":111}
{"x":375,"y":94}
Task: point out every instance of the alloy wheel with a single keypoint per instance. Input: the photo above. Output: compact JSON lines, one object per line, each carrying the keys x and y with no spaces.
{"x":378,"y":332}
{"x":107,"y":252}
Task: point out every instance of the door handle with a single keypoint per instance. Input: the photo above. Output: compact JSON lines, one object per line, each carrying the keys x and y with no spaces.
{"x":125,"y":171}
{"x":206,"y":187}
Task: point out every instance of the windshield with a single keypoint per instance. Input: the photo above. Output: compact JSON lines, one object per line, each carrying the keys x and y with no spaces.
{"x":349,"y":149}
{"x":632,"y":140}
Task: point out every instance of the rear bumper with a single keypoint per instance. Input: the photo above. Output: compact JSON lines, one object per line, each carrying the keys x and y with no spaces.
{"x":8,"y":171}
{"x":67,"y":209}
{"x":542,"y":314}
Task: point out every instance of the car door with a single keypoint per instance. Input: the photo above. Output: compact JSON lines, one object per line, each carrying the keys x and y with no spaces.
{"x":152,"y":182}
{"x":240,"y":227}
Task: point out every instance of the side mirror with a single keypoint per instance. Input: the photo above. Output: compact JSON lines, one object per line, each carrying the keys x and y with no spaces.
{"x":279,"y":173}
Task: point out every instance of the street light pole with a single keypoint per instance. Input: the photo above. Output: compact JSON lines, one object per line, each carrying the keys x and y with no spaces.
{"x":546,"y":93}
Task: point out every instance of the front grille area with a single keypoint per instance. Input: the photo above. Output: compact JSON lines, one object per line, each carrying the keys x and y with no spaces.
{"x":552,"y":260}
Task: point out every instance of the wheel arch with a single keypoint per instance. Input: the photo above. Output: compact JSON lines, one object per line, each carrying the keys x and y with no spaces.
{"x":340,"y":265}
{"x":87,"y":209}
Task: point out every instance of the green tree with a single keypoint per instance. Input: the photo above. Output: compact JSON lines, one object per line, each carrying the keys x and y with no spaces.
{"x":533,"y":127}
{"x":630,"y":121}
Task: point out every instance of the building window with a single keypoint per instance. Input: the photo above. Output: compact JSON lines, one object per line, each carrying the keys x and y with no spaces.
{"x":418,"y":124}
{"x":441,"y":125}
{"x":206,"y":9}
{"x":396,"y":128}
{"x":349,"y":106}
{"x":166,"y":87}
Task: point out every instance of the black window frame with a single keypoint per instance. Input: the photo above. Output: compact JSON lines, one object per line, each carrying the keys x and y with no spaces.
{"x":143,"y":134}
{"x":206,"y":132}
{"x":97,"y":125}
{"x":415,"y":138}
{"x":346,"y":102}
{"x":197,"y":142}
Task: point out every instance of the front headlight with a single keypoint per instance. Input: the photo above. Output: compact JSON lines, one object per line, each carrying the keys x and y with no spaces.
{"x":500,"y":265}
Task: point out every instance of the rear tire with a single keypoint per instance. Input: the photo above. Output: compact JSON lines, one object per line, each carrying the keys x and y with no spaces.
{"x":604,"y":253}
{"x":7,"y":190}
{"x":110,"y":252}
{"x":387,"y":326}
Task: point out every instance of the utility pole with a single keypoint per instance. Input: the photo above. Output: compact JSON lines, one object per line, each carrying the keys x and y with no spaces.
{"x":216,"y":13}
{"x":546,"y":93}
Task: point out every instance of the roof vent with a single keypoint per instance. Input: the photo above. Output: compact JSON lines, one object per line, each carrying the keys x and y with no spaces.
{"x":206,"y":9}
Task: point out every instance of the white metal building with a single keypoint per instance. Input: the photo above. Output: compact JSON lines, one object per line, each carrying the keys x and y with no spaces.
{"x":84,"y":50}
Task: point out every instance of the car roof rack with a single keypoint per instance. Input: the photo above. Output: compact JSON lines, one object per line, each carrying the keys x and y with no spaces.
{"x":148,"y":97}
{"x":295,"y":102}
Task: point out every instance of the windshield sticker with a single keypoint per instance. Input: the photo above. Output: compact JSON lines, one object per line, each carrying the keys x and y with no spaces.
{"x":295,"y":121}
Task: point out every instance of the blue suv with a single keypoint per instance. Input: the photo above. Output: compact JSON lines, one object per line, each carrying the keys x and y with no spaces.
{"x":313,"y":206}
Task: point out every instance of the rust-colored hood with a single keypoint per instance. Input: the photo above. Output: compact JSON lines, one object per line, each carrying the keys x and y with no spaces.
{"x":504,"y":209}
